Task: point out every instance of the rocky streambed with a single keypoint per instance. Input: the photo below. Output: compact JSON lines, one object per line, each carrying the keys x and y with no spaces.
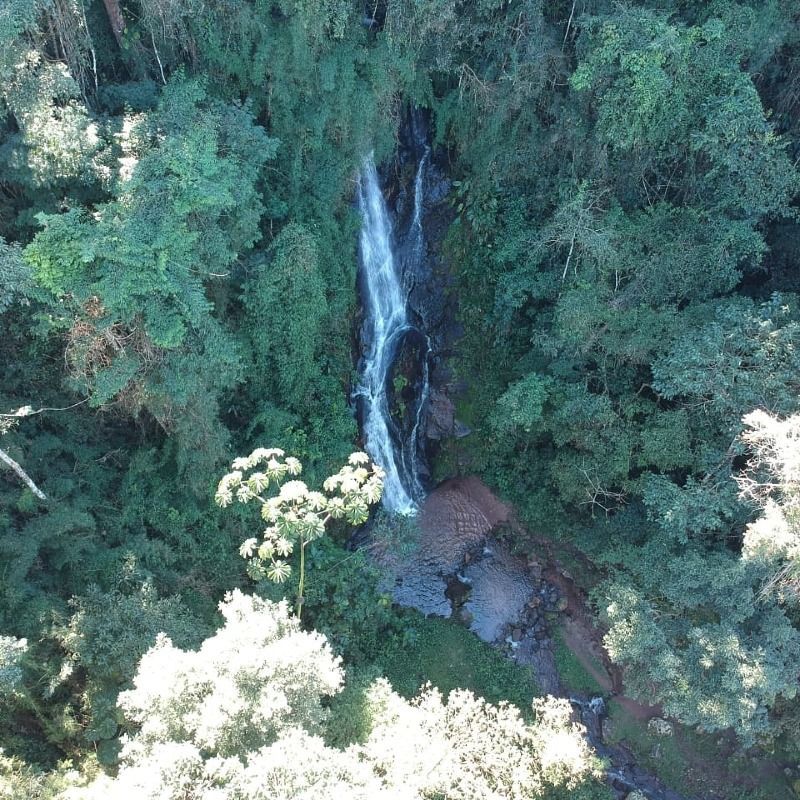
{"x":460,"y":569}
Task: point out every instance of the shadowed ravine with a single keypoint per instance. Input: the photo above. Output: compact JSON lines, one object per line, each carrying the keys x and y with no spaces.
{"x":458,"y":568}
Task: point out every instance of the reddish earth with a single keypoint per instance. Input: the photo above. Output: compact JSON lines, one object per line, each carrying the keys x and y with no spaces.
{"x":457,"y":516}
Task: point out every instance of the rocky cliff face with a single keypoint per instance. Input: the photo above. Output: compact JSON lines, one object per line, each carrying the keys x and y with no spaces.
{"x":421,"y":372}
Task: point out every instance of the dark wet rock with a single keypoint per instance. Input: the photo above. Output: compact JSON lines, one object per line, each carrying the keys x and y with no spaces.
{"x":501,"y":589}
{"x":457,"y":591}
{"x":543,"y":664}
{"x":423,"y":590}
{"x":598,"y":706}
{"x":441,"y":416}
{"x":441,"y":421}
{"x":438,"y":188}
{"x":535,"y":570}
{"x":460,"y":430}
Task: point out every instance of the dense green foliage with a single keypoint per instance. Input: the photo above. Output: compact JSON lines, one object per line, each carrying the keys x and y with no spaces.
{"x":446,"y":655}
{"x":177,"y":285}
{"x":296,"y":516}
{"x":637,"y":314}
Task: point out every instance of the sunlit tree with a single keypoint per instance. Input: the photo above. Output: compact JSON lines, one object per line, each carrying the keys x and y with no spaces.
{"x":295,"y":515}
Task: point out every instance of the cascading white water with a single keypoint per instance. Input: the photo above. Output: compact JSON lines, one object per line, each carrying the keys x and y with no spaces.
{"x":415,"y":256}
{"x":385,"y":323}
{"x":416,"y":222}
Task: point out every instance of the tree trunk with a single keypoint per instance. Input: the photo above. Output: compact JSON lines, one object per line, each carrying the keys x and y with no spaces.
{"x":115,"y":18}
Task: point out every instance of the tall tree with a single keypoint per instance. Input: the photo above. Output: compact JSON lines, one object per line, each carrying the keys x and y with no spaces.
{"x":136,"y":275}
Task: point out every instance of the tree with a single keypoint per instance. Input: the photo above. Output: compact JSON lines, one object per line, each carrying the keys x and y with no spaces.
{"x":772,"y":479}
{"x":105,"y":638}
{"x":296,"y":515}
{"x":241,"y":718}
{"x":12,"y":651}
{"x":226,"y":698}
{"x":16,"y":284}
{"x":199,"y":716}
{"x":135,"y":277}
{"x":467,"y":749}
{"x":698,"y":639}
{"x":287,"y":347}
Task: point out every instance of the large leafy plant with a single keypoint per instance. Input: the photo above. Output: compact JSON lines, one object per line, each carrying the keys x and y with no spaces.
{"x":295,"y":515}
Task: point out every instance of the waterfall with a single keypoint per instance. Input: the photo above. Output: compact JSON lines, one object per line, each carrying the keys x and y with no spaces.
{"x":411,"y":268}
{"x":386,"y":322}
{"x":418,"y":242}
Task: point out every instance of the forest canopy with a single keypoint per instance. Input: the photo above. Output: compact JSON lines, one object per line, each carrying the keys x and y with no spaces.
{"x":178,"y":285}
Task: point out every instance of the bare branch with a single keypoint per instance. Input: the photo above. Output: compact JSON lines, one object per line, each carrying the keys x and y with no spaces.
{"x":569,"y":257}
{"x":158,"y":58}
{"x":28,"y":411}
{"x":569,"y":25}
{"x":5,"y":457}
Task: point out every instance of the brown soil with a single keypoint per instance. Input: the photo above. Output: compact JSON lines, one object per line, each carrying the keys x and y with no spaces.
{"x":455,"y":519}
{"x":585,"y":639}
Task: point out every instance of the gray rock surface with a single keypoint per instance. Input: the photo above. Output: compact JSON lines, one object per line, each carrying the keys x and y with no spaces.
{"x":501,"y":588}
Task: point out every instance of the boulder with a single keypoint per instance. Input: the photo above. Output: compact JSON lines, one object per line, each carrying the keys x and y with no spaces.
{"x":441,"y":416}
{"x":660,"y":727}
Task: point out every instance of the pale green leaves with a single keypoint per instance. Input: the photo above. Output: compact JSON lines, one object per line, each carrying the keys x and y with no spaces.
{"x":248,"y":547}
{"x":520,"y":407}
{"x":278,"y":571}
{"x":241,"y":718}
{"x":296,"y":514}
{"x":11,"y":652}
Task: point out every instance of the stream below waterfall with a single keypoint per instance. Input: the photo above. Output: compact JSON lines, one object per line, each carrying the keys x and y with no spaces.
{"x":457,"y":568}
